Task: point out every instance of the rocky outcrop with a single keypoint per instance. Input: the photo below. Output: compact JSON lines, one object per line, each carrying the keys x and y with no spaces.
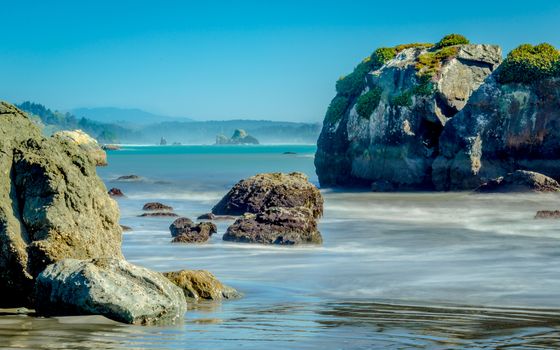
{"x":276,"y":225}
{"x":520,"y":181}
{"x":151,"y":206}
{"x":52,"y":206}
{"x":110,"y":287}
{"x":504,"y":127}
{"x":86,"y":143}
{"x":115,"y":192}
{"x":184,"y":230}
{"x":387,"y":129}
{"x":262,"y":191}
{"x":239,"y":137}
{"x":201,"y":284}
{"x":548,"y":214}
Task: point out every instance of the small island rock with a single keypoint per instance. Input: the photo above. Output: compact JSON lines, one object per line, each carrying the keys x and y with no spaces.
{"x":521,"y":181}
{"x":184,"y":230}
{"x":156,"y":206}
{"x":115,"y":192}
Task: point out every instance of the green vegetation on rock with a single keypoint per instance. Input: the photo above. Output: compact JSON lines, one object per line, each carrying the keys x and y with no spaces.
{"x":528,"y":63}
{"x":430,"y":63}
{"x":368,"y":102}
{"x":424,"y":87}
{"x":336,"y":109}
{"x":451,"y":40}
{"x":402,"y":100}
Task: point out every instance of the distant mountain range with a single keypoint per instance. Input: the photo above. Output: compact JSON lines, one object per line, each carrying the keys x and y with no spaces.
{"x":132,"y":116}
{"x":134,"y":126}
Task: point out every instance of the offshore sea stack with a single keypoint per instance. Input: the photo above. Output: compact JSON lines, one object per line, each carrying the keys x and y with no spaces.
{"x":52,"y":206}
{"x":449,"y":116}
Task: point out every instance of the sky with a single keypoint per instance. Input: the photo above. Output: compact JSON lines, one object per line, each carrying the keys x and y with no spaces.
{"x":276,"y":60}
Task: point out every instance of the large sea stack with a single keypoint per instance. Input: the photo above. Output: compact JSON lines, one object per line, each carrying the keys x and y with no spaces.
{"x":52,"y":206}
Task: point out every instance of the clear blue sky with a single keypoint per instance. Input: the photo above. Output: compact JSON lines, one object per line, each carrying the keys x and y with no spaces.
{"x":229,"y":59}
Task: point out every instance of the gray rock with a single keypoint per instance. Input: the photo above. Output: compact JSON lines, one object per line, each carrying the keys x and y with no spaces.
{"x":113,"y":288}
{"x":503,"y":128}
{"x":52,"y":206}
{"x":398,"y":141}
{"x":262,"y":191}
{"x":548,"y":214}
{"x":201,"y":284}
{"x":521,"y":181}
{"x":185,"y":231}
{"x":239,"y":137}
{"x":212,"y":217}
{"x":277,"y":225}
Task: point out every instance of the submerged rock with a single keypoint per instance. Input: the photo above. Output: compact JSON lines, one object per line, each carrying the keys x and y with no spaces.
{"x":115,"y":192}
{"x":159,"y":214}
{"x":52,"y":206}
{"x":548,"y":214}
{"x":184,"y":230}
{"x":521,"y":181}
{"x":129,"y":178}
{"x":126,"y":228}
{"x":262,"y":191}
{"x":86,"y":143}
{"x":201,"y":284}
{"x":113,"y":288}
{"x":276,"y":225}
{"x":385,"y":121}
{"x":156,"y":206}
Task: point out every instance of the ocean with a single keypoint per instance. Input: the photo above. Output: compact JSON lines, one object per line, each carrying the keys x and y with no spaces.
{"x":396,"y":270}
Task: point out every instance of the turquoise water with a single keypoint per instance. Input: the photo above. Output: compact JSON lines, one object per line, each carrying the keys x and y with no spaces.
{"x":397,"y":271}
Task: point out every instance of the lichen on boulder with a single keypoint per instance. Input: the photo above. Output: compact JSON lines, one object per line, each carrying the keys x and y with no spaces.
{"x":85,"y":142}
{"x":113,"y":288}
{"x":201,"y":284}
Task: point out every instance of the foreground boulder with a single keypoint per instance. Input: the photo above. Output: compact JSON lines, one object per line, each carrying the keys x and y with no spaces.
{"x":262,"y":191}
{"x":521,"y":181}
{"x":87,"y":143}
{"x":184,"y":230}
{"x":113,"y":288}
{"x":52,"y":206}
{"x":385,"y":121}
{"x":276,"y":225}
{"x":201,"y":284}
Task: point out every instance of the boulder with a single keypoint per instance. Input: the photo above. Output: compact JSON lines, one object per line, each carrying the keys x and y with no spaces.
{"x":86,"y":143}
{"x":113,"y":288}
{"x":262,"y":191}
{"x":156,"y":206}
{"x":548,"y":214}
{"x":52,"y":206}
{"x":504,"y":127}
{"x":201,"y":284}
{"x":521,"y":181}
{"x":385,"y":121}
{"x":185,"y":231}
{"x":115,"y":192}
{"x":276,"y":225}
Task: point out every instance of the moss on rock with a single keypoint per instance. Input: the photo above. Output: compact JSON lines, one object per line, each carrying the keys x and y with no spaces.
{"x":368,"y":102}
{"x":528,"y":63}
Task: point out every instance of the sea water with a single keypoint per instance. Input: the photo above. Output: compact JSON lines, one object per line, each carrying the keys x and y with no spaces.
{"x":396,"y":270}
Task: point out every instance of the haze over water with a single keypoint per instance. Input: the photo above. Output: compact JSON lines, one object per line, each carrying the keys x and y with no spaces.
{"x":399,"y":270}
